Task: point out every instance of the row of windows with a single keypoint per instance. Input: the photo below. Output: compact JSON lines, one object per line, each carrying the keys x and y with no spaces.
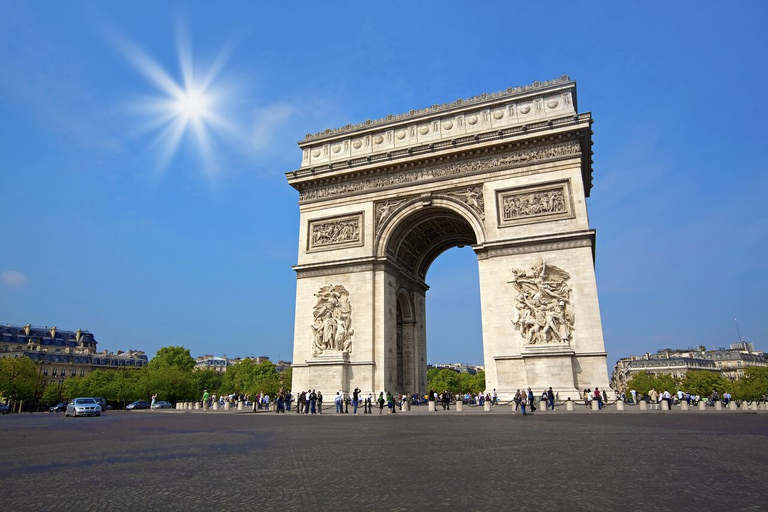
{"x":72,"y":373}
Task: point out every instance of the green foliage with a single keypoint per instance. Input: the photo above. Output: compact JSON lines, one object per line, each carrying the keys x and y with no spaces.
{"x":19,"y":378}
{"x":52,"y":394}
{"x":753,"y":385}
{"x":703,"y":382}
{"x":178,"y":357}
{"x":440,"y":380}
{"x":644,"y":382}
{"x":251,"y":378}
{"x":205,"y":379}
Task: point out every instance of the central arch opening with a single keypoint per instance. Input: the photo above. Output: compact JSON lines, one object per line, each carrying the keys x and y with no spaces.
{"x":415,"y":243}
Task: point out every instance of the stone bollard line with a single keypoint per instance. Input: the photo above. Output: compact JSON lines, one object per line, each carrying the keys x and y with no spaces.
{"x":459,"y":406}
{"x":620,"y":406}
{"x":431,"y":406}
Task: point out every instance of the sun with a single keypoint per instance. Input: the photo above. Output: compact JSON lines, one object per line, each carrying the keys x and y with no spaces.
{"x":187,"y":104}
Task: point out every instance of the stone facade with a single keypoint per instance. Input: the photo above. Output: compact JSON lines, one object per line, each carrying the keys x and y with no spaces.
{"x":507,"y":174}
{"x":62,"y":354}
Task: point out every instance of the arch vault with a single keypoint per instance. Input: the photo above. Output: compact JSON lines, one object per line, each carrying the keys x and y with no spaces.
{"x":507,"y":174}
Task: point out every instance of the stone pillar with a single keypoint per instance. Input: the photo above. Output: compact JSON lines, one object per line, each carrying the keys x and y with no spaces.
{"x":431,"y":406}
{"x":753,"y":406}
{"x":273,"y":406}
{"x":487,"y":406}
{"x":620,"y":405}
{"x":595,"y":405}
{"x":239,"y":405}
{"x":569,"y":405}
{"x":664,"y":405}
{"x":702,"y":405}
{"x":197,"y":406}
{"x":227,"y":405}
{"x":683,"y":405}
{"x":215,"y":406}
{"x":732,"y":406}
{"x":718,"y":405}
{"x":643,"y":405}
{"x":459,"y":406}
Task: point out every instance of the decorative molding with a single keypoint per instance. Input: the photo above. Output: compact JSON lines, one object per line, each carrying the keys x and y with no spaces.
{"x":437,"y":172}
{"x":537,"y":203}
{"x":335,"y":232}
{"x":528,"y":248}
{"x":543,"y":303}
{"x":472,"y":197}
{"x":510,"y":92}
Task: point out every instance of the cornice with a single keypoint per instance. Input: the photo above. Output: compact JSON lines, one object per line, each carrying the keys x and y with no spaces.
{"x":511,"y":92}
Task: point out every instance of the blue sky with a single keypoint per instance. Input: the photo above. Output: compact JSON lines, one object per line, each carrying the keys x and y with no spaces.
{"x":106,"y":229}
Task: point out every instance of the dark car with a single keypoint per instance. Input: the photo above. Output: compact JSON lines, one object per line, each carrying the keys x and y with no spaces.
{"x":139,"y":404}
{"x":163,"y":405}
{"x":4,"y":409}
{"x":59,"y":407}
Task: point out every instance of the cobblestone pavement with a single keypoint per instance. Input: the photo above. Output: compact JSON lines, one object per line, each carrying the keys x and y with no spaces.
{"x":175,"y":460}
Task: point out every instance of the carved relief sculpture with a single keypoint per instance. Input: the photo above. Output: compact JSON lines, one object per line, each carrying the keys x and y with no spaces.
{"x":384,"y":209}
{"x":335,"y":233}
{"x":543,"y":308}
{"x":534,"y":203}
{"x":331,"y":330}
{"x":472,"y":197}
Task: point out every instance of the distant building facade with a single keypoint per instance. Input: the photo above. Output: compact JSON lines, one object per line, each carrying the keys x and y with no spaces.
{"x":220,"y":364}
{"x":62,"y":354}
{"x":677,"y":362}
{"x":458,"y":367}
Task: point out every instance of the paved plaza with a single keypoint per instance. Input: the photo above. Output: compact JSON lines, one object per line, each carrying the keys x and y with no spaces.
{"x":176,"y":460}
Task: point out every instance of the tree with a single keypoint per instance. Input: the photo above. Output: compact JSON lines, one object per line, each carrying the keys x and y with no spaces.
{"x":52,"y":393}
{"x":178,"y":357}
{"x":643,"y":382}
{"x":19,"y":378}
{"x":753,"y":385}
{"x":443,"y":379}
{"x":703,"y":382}
{"x":205,"y":379}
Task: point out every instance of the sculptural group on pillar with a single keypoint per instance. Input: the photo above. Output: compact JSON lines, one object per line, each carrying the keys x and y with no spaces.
{"x":543,"y":308}
{"x":332,"y":331}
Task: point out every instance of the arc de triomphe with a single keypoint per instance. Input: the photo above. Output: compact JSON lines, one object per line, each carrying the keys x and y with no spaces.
{"x":507,"y":174}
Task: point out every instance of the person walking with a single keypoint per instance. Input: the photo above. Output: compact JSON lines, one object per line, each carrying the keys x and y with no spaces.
{"x":518,"y":398}
{"x":599,"y":399}
{"x":369,"y":404}
{"x":154,"y":400}
{"x":530,"y":400}
{"x":523,"y":400}
{"x":550,"y":398}
{"x":206,"y":397}
{"x":381,"y":402}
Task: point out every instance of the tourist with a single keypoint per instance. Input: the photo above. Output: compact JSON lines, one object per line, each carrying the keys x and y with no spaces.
{"x":288,"y":401}
{"x":381,"y":402}
{"x":654,"y":399}
{"x":320,"y":402}
{"x":530,"y":400}
{"x":494,"y":398}
{"x":313,"y":402}
{"x":634,"y":396}
{"x":599,"y":399}
{"x":523,"y":401}
{"x":390,"y":403}
{"x":280,"y":403}
{"x":605,"y":397}
{"x":154,"y":399}
{"x":346,"y":403}
{"x":337,"y":400}
{"x":355,"y":398}
{"x":551,"y":398}
{"x":206,"y":397}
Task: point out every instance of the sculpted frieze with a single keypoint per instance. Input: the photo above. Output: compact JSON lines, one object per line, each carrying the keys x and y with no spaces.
{"x":543,"y":304}
{"x":472,"y":197}
{"x":441,"y":171}
{"x":332,"y":327}
{"x":335,"y":233}
{"x":531,"y":204}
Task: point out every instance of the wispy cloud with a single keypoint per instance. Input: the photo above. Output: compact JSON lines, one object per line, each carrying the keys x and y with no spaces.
{"x":13,"y":279}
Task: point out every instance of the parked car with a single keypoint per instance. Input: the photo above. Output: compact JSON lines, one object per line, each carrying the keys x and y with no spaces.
{"x":163,"y":405}
{"x":4,"y":409}
{"x":60,"y":407}
{"x":139,"y":404}
{"x":85,"y":406}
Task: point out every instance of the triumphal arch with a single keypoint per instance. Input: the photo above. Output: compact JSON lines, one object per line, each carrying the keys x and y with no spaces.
{"x":507,"y":174}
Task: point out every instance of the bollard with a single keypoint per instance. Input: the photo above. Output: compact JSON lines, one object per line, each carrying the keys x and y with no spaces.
{"x":569,"y":405}
{"x":227,"y":405}
{"x":643,"y":405}
{"x":718,"y":405}
{"x":762,"y":406}
{"x":683,"y":405}
{"x":431,"y":406}
{"x":665,"y":405}
{"x":273,"y":406}
{"x":595,"y":405}
{"x":753,"y":406}
{"x":732,"y":406}
{"x":197,"y":406}
{"x":215,"y":406}
{"x":239,"y":405}
{"x":487,"y":406}
{"x":620,"y":405}
{"x":702,"y":405}
{"x":459,"y":406}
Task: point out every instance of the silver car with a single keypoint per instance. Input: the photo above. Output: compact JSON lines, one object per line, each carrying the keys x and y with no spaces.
{"x":83,"y":407}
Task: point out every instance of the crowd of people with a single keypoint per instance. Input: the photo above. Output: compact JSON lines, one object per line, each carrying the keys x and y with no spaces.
{"x":655,"y":398}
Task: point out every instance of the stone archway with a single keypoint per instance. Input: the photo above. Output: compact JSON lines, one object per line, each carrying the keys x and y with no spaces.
{"x":507,"y":174}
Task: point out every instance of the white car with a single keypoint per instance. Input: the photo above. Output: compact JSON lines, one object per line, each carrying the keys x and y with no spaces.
{"x":83,"y":407}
